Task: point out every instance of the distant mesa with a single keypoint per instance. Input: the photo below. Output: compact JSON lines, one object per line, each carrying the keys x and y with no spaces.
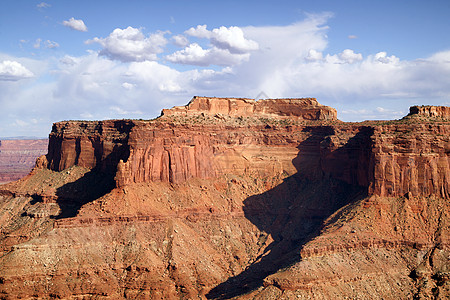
{"x":430,"y":111}
{"x":292,"y":108}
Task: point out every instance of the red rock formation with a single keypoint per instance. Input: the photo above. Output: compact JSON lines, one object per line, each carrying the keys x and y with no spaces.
{"x":17,"y":157}
{"x":411,"y":160}
{"x":301,"y":109}
{"x":391,"y":160}
{"x":88,"y":144}
{"x":430,"y":111}
{"x":225,"y":197}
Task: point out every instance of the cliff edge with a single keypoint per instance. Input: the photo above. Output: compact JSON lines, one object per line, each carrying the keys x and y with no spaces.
{"x":295,"y":108}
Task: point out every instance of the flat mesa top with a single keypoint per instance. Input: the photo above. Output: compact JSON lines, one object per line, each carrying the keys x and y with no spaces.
{"x":294,"y":108}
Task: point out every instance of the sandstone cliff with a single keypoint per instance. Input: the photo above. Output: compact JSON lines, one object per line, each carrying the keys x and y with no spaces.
{"x":231,"y":198}
{"x":429,"y":111}
{"x":297,"y":108}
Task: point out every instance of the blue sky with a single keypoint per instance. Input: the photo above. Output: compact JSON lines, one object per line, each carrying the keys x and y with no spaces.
{"x":71,"y":60}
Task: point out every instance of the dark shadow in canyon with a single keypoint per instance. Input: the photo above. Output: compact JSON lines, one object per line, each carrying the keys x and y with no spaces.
{"x":92,"y":185}
{"x":293,"y":212}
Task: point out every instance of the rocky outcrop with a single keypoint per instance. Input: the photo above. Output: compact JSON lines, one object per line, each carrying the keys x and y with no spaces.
{"x":394,"y":159}
{"x":429,"y":111}
{"x":296,"y":108}
{"x":17,"y":157}
{"x":98,"y":144}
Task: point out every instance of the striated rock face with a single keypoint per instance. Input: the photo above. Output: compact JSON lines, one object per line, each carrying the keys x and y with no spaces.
{"x":17,"y":157}
{"x":411,"y":160}
{"x":430,"y":111}
{"x":301,"y":108}
{"x":231,"y":198}
{"x":88,"y":144}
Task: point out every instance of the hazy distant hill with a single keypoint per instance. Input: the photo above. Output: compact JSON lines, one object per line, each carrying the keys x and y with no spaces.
{"x":18,"y":155}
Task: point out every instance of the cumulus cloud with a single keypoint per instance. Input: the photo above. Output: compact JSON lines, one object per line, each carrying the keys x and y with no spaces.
{"x":180,"y":40}
{"x":200,"y":32}
{"x":13,"y":71}
{"x":314,"y":55}
{"x":75,"y":24}
{"x":229,"y":38}
{"x":382,"y":57}
{"x":194,"y":54}
{"x":228,"y":47}
{"x":232,"y":39}
{"x":347,"y":56}
{"x":130,"y":44}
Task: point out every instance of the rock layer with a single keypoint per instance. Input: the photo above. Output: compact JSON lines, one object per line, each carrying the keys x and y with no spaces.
{"x":390,"y":160}
{"x":429,"y":111}
{"x":296,"y":108}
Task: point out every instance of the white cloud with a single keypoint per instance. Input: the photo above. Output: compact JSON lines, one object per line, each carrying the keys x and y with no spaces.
{"x":352,"y":36}
{"x":48,"y":44}
{"x":180,"y":40}
{"x":314,"y":55}
{"x":383,"y":58}
{"x":43,"y":5}
{"x":51,"y":44}
{"x":194,"y":54}
{"x":200,"y":32}
{"x":128,"y":86}
{"x":231,"y":38}
{"x":75,"y":24}
{"x":347,"y":56}
{"x":229,"y":47}
{"x":130,"y":44}
{"x":13,"y":71}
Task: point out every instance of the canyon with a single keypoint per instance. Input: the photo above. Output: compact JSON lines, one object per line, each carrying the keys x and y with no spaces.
{"x":233,"y":198}
{"x":18,"y":157}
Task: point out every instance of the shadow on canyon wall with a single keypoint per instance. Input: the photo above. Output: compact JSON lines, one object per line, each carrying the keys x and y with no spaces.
{"x":92,"y":185}
{"x":293,"y":212}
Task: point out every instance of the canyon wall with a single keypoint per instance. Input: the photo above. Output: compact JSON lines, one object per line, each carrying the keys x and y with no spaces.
{"x":389,"y":159}
{"x":96,"y":144}
{"x":429,"y":111}
{"x":216,"y":202}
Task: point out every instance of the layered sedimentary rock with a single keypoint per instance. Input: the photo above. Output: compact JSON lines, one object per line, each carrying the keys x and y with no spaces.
{"x":429,"y":111}
{"x":17,"y":157}
{"x":390,"y":160}
{"x":296,"y":108}
{"x":88,"y":144}
{"x":216,"y":200}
